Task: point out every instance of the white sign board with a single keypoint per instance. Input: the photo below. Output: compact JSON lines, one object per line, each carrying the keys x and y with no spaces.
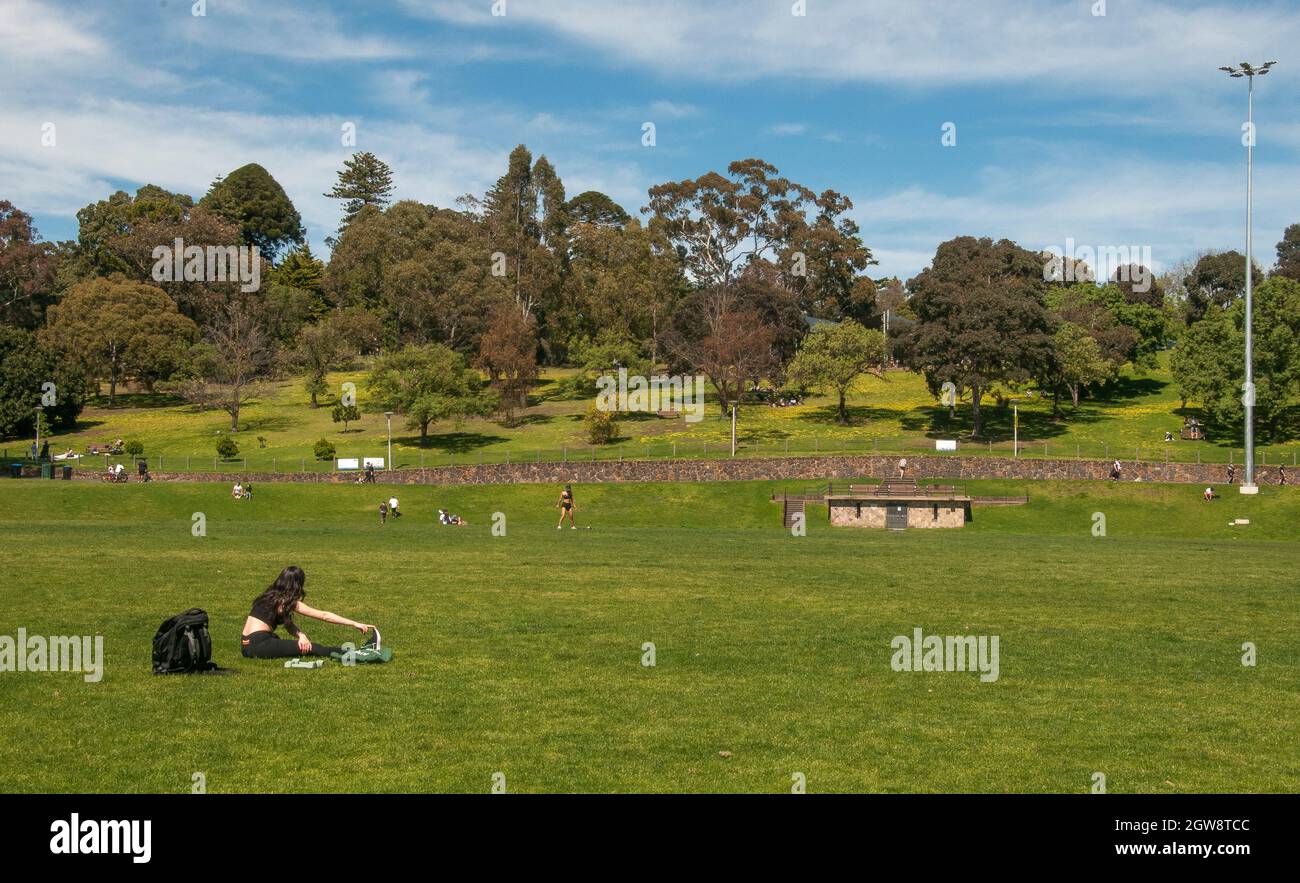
{"x":942,"y":444}
{"x":377,"y":462}
{"x":349,"y":463}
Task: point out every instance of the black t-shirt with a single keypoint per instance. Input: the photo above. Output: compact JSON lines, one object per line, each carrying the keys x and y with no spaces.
{"x":266,"y":612}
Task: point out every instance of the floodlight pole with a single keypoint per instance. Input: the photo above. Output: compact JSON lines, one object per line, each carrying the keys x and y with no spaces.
{"x":1249,"y":486}
{"x":39,"y":410}
{"x":1246,"y":70}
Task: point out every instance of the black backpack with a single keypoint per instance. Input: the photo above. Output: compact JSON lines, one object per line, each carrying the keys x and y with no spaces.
{"x":182,"y":644}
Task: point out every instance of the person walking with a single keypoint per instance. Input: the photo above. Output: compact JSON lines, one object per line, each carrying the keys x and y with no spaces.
{"x":1232,"y":473}
{"x":383,"y":513}
{"x":392,"y":507}
{"x":566,"y":507}
{"x":902,"y":468}
{"x":1281,"y":474}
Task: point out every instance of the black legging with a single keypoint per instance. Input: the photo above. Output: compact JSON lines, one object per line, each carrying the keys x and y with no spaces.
{"x":265,"y":645}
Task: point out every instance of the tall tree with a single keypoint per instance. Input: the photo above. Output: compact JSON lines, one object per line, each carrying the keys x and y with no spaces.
{"x":1217,"y":281}
{"x":834,"y":357}
{"x":28,"y":270}
{"x":320,"y":349}
{"x":120,"y":235}
{"x":1077,"y":361}
{"x":25,"y":368}
{"x":524,"y":217}
{"x":116,"y":328}
{"x":980,"y":318}
{"x":427,"y":384}
{"x":594,"y":207}
{"x":254,"y":200}
{"x":623,"y":281}
{"x":508,"y":353}
{"x":365,"y":180}
{"x":1288,"y":253}
{"x":1208,"y":363}
{"x":722,"y":224}
{"x":234,"y":361}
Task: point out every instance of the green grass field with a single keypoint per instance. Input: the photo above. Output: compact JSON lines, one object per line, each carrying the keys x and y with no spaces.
{"x":522,"y":654}
{"x":895,"y":415}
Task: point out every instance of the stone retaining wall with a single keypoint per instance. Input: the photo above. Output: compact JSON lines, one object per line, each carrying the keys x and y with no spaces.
{"x":745,"y":469}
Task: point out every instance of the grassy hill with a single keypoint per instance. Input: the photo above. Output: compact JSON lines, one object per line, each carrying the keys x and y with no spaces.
{"x":522,"y":654}
{"x":895,"y":415}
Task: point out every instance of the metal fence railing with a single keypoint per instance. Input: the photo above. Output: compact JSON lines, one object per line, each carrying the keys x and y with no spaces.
{"x":803,"y":446}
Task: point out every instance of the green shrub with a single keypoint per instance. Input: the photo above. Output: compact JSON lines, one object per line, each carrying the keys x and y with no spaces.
{"x":134,"y":448}
{"x":324,"y":450}
{"x":226,"y":448}
{"x":602,"y":426}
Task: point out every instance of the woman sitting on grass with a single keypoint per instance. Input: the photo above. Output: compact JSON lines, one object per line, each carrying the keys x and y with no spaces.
{"x":276,"y":606}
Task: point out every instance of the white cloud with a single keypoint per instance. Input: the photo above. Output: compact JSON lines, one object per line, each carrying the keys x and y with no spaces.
{"x":1036,"y":46}
{"x":1096,"y":201}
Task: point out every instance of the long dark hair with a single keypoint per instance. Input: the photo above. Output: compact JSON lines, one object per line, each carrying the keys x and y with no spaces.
{"x":284,"y":594}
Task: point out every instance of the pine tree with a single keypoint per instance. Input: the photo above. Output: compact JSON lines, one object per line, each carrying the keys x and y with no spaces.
{"x":364,"y":180}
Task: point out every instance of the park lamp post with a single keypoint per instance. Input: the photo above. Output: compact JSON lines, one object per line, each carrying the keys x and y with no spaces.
{"x":1245,"y":69}
{"x":733,"y":426}
{"x":40,"y":409}
{"x":388,"y":415}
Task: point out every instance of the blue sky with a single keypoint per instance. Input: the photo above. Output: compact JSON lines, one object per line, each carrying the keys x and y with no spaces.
{"x":1110,"y":130}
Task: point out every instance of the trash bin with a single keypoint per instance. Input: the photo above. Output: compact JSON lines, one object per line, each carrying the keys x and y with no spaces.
{"x":67,"y":473}
{"x":47,"y":470}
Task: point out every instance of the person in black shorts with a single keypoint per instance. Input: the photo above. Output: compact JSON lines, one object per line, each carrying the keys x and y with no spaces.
{"x":566,"y":507}
{"x":276,"y":606}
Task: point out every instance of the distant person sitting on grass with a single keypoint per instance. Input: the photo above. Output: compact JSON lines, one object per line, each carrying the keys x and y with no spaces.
{"x":566,"y":507}
{"x":1209,"y":494}
{"x":237,"y":491}
{"x":248,"y":491}
{"x":453,"y":520}
{"x":276,"y":606}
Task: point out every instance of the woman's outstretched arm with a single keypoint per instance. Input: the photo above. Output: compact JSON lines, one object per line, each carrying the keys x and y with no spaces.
{"x":326,"y":616}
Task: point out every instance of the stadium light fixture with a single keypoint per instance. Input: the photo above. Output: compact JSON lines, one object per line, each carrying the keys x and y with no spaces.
{"x":1247,"y":70}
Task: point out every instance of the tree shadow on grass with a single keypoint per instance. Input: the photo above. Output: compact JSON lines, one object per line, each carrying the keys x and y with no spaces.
{"x":453,"y":442}
{"x":255,"y":425}
{"x":1125,"y":389}
{"x":859,"y":415}
{"x":134,"y":400}
{"x":532,"y":420}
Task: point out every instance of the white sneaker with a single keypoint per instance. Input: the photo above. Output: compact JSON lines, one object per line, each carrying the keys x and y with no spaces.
{"x":559,"y":527}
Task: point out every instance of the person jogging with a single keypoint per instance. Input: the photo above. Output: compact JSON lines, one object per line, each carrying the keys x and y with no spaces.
{"x":566,"y":507}
{"x":276,"y":606}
